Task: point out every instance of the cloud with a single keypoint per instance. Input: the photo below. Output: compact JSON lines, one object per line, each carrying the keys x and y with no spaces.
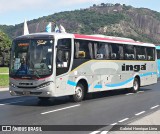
{"x":12,"y":11}
{"x":46,"y":5}
{"x":21,"y":5}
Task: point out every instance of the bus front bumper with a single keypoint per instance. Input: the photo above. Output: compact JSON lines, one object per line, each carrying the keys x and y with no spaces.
{"x":43,"y":91}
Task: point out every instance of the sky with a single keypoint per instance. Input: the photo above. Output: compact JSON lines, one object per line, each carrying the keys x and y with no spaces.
{"x":13,"y":12}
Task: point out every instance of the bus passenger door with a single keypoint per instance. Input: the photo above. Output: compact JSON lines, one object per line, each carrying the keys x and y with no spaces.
{"x":63,"y":59}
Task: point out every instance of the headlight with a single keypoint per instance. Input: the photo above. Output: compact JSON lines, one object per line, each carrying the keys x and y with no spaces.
{"x":44,"y":85}
{"x":12,"y":85}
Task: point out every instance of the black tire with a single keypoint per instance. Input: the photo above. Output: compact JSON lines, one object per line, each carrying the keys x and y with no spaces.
{"x":136,"y":85}
{"x":79,"y":93}
{"x":43,"y":98}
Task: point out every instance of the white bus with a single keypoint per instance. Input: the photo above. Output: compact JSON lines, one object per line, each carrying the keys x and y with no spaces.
{"x":59,"y":64}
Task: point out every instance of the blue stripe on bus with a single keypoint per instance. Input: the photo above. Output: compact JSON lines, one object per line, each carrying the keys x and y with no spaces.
{"x":114,"y":85}
{"x":120,"y":84}
{"x":146,"y":74}
{"x":129,"y":80}
{"x":98,"y":86}
{"x":71,"y":83}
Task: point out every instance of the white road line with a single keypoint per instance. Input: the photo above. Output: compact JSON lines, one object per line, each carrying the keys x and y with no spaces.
{"x":10,"y":103}
{"x":154,"y":107}
{"x":94,"y":132}
{"x":140,"y":113}
{"x":104,"y":132}
{"x":123,"y":120}
{"x":140,"y":91}
{"x":129,"y":93}
{"x":61,"y":109}
{"x":113,"y":124}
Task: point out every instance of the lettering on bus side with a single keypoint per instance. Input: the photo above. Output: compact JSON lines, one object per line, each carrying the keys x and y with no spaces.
{"x":135,"y":68}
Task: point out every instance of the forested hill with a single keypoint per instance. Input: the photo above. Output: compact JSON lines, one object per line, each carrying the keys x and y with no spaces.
{"x":117,"y":20}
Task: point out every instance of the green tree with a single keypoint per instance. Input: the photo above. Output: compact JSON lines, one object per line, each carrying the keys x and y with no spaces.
{"x":5,"y":44}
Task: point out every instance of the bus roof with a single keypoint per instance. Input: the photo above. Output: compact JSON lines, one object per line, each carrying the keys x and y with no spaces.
{"x":112,"y":39}
{"x":102,"y":38}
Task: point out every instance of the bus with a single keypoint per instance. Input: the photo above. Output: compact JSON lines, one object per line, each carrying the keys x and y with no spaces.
{"x":62,"y":64}
{"x":158,"y":60}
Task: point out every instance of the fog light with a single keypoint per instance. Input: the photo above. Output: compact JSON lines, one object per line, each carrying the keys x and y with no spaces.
{"x":48,"y":93}
{"x":12,"y":85}
{"x":12,"y":92}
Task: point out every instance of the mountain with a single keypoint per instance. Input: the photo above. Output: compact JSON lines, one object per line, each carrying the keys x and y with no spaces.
{"x":141,"y":24}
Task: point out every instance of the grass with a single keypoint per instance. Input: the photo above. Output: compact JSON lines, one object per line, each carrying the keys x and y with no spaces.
{"x":4,"y":69}
{"x":4,"y":80}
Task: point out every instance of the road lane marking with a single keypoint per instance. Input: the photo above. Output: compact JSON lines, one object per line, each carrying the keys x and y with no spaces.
{"x":154,"y":107}
{"x":61,"y":109}
{"x":104,"y":132}
{"x":113,"y":124}
{"x":140,"y":113}
{"x":140,"y":91}
{"x":123,"y":120}
{"x":2,"y":104}
{"x":129,"y":93}
{"x":94,"y":132}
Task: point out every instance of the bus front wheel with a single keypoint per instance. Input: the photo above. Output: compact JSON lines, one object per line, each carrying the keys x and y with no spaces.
{"x":79,"y":93}
{"x":136,"y":85}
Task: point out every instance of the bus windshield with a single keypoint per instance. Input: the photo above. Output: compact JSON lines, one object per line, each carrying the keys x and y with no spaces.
{"x":31,"y":58}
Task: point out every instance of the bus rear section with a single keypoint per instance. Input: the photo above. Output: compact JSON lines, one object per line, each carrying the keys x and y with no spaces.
{"x":158,"y":60}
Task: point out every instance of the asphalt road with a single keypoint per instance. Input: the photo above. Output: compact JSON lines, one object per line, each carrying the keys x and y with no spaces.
{"x":106,"y":108}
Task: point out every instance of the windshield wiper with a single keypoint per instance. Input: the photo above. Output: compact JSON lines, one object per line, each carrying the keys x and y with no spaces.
{"x":36,"y":73}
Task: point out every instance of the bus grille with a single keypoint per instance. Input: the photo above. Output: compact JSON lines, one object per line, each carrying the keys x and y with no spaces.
{"x":31,"y":93}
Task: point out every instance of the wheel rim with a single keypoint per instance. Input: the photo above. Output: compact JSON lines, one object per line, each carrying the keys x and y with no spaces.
{"x":78,"y":92}
{"x":135,"y":86}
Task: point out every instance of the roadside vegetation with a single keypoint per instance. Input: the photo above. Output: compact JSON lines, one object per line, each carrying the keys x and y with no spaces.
{"x":4,"y":69}
{"x":4,"y":78}
{"x":5,"y":44}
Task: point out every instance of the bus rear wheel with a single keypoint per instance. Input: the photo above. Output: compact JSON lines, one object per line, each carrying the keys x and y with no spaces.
{"x":79,"y":93}
{"x":136,"y":85}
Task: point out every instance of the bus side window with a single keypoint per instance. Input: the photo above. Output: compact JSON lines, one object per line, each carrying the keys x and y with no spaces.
{"x":102,"y":51}
{"x":140,"y":53}
{"x":150,"y":53}
{"x":91,"y":53}
{"x":83,"y":50}
{"x":129,"y":52}
{"x":116,"y":52}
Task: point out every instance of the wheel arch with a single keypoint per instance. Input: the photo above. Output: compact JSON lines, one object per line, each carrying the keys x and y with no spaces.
{"x":139,"y":79}
{"x":84,"y":82}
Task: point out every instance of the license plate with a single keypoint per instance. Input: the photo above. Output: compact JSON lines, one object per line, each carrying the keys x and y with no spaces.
{"x":26,"y":92}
